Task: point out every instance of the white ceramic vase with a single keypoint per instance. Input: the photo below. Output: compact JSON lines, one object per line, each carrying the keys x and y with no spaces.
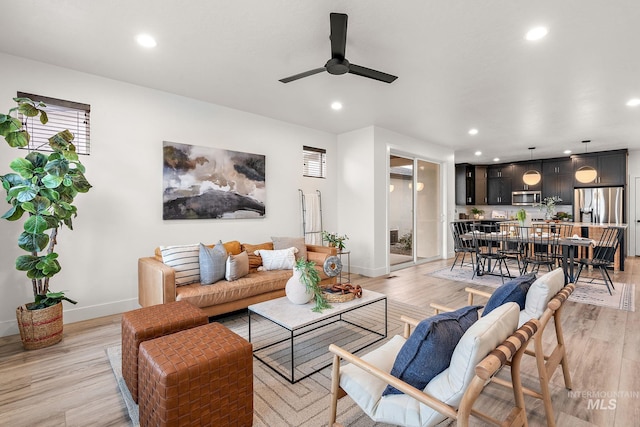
{"x":296,"y":290}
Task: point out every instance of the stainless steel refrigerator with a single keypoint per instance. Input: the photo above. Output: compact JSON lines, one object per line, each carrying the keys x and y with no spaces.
{"x":603,"y":205}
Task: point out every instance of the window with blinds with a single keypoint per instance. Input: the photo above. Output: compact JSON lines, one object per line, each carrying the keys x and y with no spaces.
{"x":314,"y":162}
{"x":62,"y":115}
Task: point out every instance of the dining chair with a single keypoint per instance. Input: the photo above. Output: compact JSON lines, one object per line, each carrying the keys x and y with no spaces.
{"x":541,"y":246}
{"x":489,"y":256}
{"x":483,"y":350}
{"x":564,"y":231}
{"x":463,"y":244}
{"x":603,"y":255}
{"x":544,"y":301}
{"x":511,"y":244}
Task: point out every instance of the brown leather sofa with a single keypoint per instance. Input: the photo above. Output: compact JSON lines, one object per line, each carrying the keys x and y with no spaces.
{"x":156,"y":283}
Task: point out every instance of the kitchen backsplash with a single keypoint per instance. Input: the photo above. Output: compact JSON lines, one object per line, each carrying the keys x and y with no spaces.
{"x":533,"y":212}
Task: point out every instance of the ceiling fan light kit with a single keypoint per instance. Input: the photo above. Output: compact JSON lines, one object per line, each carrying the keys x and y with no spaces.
{"x":338,"y":64}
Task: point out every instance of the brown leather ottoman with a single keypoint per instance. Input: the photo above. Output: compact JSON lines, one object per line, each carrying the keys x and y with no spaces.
{"x":198,"y":377}
{"x":152,"y":322}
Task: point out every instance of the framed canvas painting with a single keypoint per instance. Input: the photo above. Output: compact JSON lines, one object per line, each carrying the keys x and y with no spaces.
{"x":205,"y":182}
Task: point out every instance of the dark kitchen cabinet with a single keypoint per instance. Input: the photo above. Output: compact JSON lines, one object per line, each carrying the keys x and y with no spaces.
{"x":499,"y":184}
{"x":465,"y":184}
{"x":518,"y":171}
{"x":481,"y":185}
{"x":610,"y":165}
{"x":557,"y":179}
{"x":471,"y":184}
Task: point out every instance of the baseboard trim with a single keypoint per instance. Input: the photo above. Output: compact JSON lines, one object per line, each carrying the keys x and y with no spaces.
{"x":73,"y":314}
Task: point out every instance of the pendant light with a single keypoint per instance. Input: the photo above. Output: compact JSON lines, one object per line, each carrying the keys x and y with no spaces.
{"x":532,"y":176}
{"x":586,"y":174}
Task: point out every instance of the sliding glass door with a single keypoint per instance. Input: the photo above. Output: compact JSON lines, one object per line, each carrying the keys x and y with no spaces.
{"x":414,"y":211}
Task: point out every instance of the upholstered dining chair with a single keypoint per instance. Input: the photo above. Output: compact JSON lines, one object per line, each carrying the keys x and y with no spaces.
{"x":479,"y":354}
{"x":603,"y":255}
{"x":544,"y":301}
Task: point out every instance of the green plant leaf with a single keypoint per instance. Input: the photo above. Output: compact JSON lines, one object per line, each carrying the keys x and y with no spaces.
{"x":9,"y":124}
{"x":60,"y":141}
{"x":24,"y":193}
{"x":13,"y":214}
{"x":52,"y":181}
{"x":27,"y":262}
{"x":44,"y":118}
{"x":23,"y":166}
{"x":80,"y":183}
{"x":57,"y":167}
{"x":28,"y":109}
{"x":37,"y":159}
{"x":18,"y":138}
{"x":33,"y":242}
{"x":41,"y":205}
{"x":35,"y":224}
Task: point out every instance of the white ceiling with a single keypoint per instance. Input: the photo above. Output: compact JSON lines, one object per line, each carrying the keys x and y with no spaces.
{"x":461,"y":64}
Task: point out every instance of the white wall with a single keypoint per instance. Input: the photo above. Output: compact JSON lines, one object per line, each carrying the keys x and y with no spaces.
{"x":120,"y":219}
{"x":363,"y":174}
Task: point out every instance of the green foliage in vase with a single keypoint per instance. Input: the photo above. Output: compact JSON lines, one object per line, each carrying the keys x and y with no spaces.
{"x":311,"y":279}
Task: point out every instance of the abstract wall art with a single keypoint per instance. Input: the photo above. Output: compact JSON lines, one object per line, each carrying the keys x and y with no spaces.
{"x":205,"y":182}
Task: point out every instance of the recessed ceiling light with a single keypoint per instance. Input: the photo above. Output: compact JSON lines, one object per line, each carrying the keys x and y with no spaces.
{"x":536,"y":33}
{"x":478,"y":153}
{"x":567,"y":151}
{"x":336,"y":105}
{"x":473,"y":131}
{"x":496,"y":159}
{"x":633,"y":102}
{"x":145,"y":40}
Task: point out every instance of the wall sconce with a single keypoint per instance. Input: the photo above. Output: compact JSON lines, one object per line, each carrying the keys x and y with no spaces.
{"x":391,"y":188}
{"x":531,"y":177}
{"x":586,"y":174}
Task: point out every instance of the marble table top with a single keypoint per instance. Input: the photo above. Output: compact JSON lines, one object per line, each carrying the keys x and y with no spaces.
{"x":295,"y":316}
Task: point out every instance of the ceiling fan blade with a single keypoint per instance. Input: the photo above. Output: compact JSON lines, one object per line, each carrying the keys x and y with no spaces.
{"x":372,"y":74}
{"x":338,"y":34}
{"x":301,"y":75}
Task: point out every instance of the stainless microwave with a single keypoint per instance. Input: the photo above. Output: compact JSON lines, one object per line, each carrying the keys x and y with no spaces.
{"x":525,"y":198}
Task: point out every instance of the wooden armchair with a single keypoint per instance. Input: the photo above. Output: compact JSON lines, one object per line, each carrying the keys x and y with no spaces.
{"x":555,"y":355}
{"x":482,"y":351}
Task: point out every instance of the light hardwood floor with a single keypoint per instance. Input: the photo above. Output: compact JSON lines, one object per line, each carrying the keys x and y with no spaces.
{"x":71,"y":383}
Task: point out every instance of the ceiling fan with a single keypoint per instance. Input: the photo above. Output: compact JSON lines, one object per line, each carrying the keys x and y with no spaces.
{"x":338,"y":64}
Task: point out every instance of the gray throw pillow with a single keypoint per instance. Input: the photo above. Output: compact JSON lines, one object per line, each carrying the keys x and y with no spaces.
{"x":212,"y":263}
{"x":287,"y":242}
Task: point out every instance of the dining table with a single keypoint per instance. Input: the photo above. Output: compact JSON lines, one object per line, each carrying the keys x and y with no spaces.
{"x":567,"y":244}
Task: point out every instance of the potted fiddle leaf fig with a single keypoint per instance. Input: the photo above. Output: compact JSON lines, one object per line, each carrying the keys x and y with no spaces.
{"x":41,"y":191}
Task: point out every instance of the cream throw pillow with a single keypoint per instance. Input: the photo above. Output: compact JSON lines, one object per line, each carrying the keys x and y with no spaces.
{"x":283,"y":259}
{"x":287,"y":242}
{"x":184,"y":259}
{"x":237,"y":266}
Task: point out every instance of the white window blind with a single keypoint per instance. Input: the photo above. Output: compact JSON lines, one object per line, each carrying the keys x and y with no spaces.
{"x":62,"y":115}
{"x":314,"y":162}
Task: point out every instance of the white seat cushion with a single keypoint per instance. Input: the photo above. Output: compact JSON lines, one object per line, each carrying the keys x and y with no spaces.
{"x":540,"y":293}
{"x":448,"y":386}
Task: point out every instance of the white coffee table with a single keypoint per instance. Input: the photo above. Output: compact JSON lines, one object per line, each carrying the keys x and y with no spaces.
{"x":359,"y":314}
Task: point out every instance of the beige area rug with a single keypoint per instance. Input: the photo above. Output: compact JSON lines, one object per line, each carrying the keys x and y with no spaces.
{"x":305,"y":403}
{"x":588,"y":290}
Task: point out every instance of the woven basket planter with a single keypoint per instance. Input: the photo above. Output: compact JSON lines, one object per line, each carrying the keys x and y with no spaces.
{"x":39,"y":328}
